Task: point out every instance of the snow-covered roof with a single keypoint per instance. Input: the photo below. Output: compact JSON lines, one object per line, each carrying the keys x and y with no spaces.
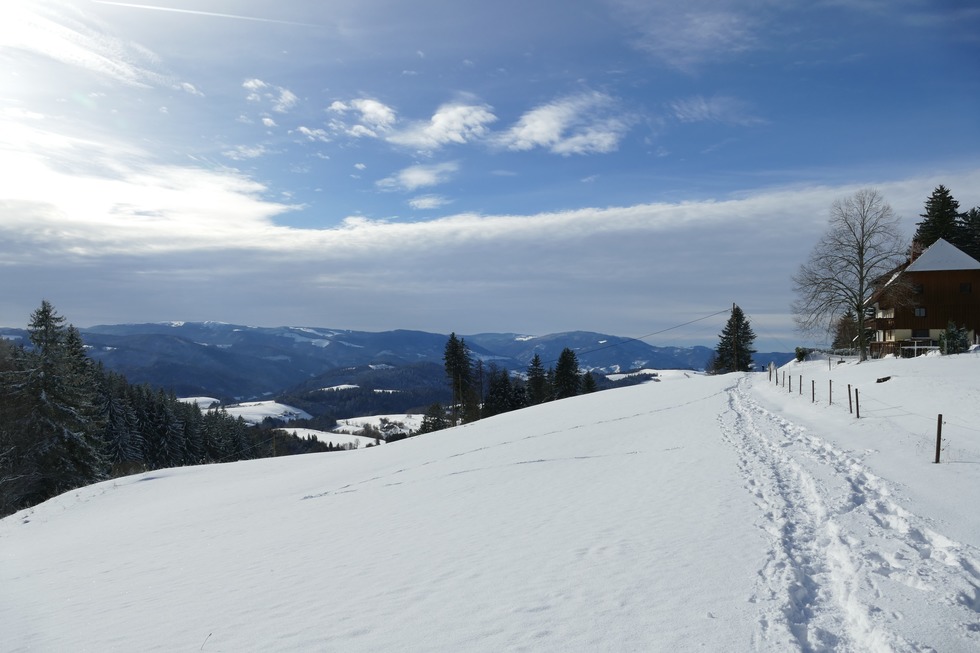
{"x":942,"y":255}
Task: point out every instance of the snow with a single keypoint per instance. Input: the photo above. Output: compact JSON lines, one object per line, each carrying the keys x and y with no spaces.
{"x":354,"y":424}
{"x":942,"y":255}
{"x":254,"y":412}
{"x":702,"y":513}
{"x":337,"y":438}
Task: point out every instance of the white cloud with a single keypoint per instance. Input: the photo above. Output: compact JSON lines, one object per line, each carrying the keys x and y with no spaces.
{"x":579,"y":124}
{"x":281,"y":99}
{"x":372,"y":118}
{"x":190,"y":88}
{"x":269,"y":122}
{"x":689,"y":34}
{"x":244,"y":152}
{"x":63,"y":33}
{"x":720,"y":109}
{"x":286,"y":101}
{"x":428,"y":202}
{"x":452,"y":123}
{"x":419,"y":176}
{"x":314,"y":134}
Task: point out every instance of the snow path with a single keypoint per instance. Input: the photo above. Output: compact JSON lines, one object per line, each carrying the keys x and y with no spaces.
{"x":823,"y":588}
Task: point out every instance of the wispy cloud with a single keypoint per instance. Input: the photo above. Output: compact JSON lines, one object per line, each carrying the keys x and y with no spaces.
{"x":457,"y":122}
{"x":372,"y":118}
{"x":210,"y":14}
{"x":721,"y":109}
{"x":428,"y":202}
{"x":279,"y":98}
{"x":579,"y":124}
{"x":245,"y":152}
{"x":687,"y":35}
{"x":65,"y":34}
{"x":419,"y":176}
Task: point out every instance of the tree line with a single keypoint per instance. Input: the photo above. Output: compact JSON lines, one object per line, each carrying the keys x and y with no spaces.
{"x":66,"y":422}
{"x":480,"y":390}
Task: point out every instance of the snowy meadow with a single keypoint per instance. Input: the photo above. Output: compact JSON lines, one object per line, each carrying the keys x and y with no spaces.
{"x":695,"y":513}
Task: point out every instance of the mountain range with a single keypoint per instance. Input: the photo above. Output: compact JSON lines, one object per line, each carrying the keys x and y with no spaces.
{"x":235,"y":362}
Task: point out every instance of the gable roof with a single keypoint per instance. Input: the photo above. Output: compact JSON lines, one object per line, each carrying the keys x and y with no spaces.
{"x":942,"y":255}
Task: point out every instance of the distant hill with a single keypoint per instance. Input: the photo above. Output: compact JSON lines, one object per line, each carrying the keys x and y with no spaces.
{"x":236,"y":362}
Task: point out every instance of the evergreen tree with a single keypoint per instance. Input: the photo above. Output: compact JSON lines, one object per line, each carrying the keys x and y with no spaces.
{"x":434,"y":419}
{"x":588,"y":383}
{"x":64,"y":452}
{"x":970,"y":233}
{"x":459,"y":369}
{"x":538,"y":390}
{"x":941,"y":220}
{"x":499,"y":397}
{"x":567,"y":379}
{"x":734,"y":351}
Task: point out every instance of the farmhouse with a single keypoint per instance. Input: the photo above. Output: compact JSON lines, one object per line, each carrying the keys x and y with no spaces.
{"x":919,"y":300}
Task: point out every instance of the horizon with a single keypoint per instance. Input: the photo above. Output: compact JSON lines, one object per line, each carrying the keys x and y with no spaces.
{"x":631,"y":167}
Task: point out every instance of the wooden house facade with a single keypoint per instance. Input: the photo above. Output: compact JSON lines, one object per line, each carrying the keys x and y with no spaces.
{"x":941,"y":286}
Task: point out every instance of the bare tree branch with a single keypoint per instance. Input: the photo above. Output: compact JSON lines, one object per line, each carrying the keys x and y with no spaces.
{"x":863,"y":243}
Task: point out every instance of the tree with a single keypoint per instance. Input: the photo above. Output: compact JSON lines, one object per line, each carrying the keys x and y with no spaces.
{"x":941,"y":220}
{"x":734,"y":351}
{"x":970,"y":236}
{"x":61,"y":423}
{"x":567,"y":380}
{"x":459,"y":369}
{"x":862,"y":244}
{"x":434,"y":419}
{"x":589,"y":384}
{"x":538,"y":391}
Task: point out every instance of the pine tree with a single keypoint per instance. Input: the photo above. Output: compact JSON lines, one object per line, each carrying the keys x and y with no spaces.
{"x":734,"y":351}
{"x":499,"y":397}
{"x":567,"y":379}
{"x":61,"y":426}
{"x":538,"y":391}
{"x":941,"y":220}
{"x":434,"y":419}
{"x":589,"y":383}
{"x":970,"y":232}
{"x":459,"y":369}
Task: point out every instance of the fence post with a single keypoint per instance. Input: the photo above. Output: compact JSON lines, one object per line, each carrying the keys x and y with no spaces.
{"x":801,"y":385}
{"x":813,"y":391}
{"x":784,"y":378}
{"x":857,"y":404}
{"x":850,"y":400}
{"x":830,"y":393}
{"x":791,"y":384}
{"x":939,"y":436}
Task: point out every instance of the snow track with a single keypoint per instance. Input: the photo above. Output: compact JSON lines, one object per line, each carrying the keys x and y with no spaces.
{"x":844,"y":556}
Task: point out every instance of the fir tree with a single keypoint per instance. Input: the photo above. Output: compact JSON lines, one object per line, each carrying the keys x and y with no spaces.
{"x":537,"y":382}
{"x":734,"y":351}
{"x":567,"y":379}
{"x":589,"y":383}
{"x":941,"y":220}
{"x":61,"y":426}
{"x":459,"y":369}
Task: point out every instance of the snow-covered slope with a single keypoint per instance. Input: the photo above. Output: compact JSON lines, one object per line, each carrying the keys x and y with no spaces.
{"x":696,"y":514}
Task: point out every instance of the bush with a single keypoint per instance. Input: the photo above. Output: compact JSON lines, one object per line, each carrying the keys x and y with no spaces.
{"x":802,"y":353}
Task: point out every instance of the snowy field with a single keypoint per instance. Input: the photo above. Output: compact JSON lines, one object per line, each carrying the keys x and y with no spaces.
{"x":695,"y":514}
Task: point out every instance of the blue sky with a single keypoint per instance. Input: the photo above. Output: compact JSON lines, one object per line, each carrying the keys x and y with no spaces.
{"x":608,"y":165}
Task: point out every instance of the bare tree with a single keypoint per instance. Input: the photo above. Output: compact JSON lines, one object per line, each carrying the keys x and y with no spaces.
{"x":863,"y":243}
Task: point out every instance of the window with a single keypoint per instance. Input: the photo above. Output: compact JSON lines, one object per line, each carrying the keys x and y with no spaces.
{"x":920,"y":334}
{"x":966,"y":287}
{"x":920,"y":311}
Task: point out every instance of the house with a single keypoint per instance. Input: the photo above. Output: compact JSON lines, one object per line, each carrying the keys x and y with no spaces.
{"x":917,"y":302}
